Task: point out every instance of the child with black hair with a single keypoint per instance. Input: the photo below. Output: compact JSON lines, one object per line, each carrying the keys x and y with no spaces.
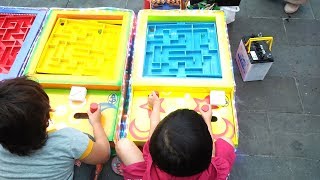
{"x":27,"y":151}
{"x":181,"y":146}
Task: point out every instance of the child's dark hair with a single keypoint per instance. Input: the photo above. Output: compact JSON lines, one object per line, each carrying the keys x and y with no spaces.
{"x":24,"y":115}
{"x":181,"y":144}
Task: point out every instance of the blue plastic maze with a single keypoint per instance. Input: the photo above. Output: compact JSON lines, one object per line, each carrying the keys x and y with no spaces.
{"x":181,"y":49}
{"x":19,"y":28}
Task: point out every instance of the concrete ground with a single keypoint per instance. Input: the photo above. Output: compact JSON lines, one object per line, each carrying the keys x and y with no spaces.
{"x":279,"y":117}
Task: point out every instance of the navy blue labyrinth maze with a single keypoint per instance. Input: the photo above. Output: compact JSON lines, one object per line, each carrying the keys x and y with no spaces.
{"x":182,"y":49}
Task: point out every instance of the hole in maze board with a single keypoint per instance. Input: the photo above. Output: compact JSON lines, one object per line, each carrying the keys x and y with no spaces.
{"x":182,"y":49}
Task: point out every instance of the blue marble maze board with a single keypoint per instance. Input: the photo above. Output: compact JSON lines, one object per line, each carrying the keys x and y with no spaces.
{"x":182,"y":49}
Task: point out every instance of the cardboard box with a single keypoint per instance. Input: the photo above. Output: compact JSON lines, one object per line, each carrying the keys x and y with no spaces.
{"x":251,"y":66}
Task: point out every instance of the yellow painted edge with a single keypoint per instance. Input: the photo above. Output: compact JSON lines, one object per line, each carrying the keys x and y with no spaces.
{"x":224,"y":50}
{"x":45,"y":33}
{"x":88,"y":12}
{"x":235,"y":121}
{"x":123,"y":45}
{"x":189,"y":86}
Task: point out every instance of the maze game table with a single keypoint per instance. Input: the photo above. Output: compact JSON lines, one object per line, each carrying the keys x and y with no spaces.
{"x":87,"y":48}
{"x":184,"y":55}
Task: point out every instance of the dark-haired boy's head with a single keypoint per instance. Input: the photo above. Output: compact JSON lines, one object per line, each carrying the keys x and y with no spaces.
{"x":181,"y":144}
{"x":24,"y":115}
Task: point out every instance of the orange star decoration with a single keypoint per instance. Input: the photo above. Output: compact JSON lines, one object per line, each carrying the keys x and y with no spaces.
{"x":201,"y":102}
{"x":147,"y":107}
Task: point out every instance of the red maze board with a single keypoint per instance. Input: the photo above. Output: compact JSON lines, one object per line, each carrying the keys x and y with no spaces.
{"x":13,"y":30}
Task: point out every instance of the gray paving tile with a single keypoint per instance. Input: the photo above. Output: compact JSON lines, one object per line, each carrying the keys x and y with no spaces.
{"x":235,"y":67}
{"x":283,"y":95}
{"x":305,"y":12}
{"x":294,"y":123}
{"x":274,"y":168}
{"x":250,"y":96}
{"x":274,"y":8}
{"x":295,"y":61}
{"x":295,"y":135}
{"x":4,"y":2}
{"x":303,"y":31}
{"x":85,"y":172}
{"x":262,"y":168}
{"x":247,"y":26}
{"x":296,"y":144}
{"x":309,"y":89}
{"x":274,"y":93}
{"x":97,"y":3}
{"x":39,"y":3}
{"x":107,"y":173}
{"x":315,"y":4}
{"x":243,"y":10}
{"x":234,"y":48}
{"x":254,"y":134}
{"x":135,"y":5}
{"x":304,"y":169}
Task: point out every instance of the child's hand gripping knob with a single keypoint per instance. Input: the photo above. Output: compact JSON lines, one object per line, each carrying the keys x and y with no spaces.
{"x":152,"y":98}
{"x":93,"y":107}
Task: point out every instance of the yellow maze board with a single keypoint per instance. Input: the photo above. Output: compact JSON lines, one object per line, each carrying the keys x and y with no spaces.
{"x":81,"y":47}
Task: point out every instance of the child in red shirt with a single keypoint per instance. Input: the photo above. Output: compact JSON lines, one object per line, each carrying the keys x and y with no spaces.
{"x":181,"y":146}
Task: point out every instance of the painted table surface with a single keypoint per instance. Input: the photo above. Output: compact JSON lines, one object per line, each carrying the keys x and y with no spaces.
{"x":139,"y":122}
{"x":64,"y":110}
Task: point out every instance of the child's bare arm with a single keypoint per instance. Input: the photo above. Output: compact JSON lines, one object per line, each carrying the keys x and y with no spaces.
{"x":207,"y":118}
{"x":228,"y":140}
{"x":101,"y":148}
{"x":154,"y":102}
{"x":207,"y":115}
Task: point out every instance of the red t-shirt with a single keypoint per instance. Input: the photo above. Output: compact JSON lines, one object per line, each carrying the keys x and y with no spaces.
{"x":218,"y":169}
